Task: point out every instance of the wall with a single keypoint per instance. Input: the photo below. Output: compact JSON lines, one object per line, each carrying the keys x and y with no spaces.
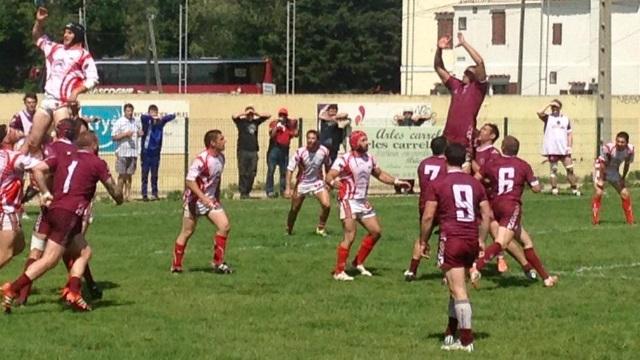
{"x":214,"y":111}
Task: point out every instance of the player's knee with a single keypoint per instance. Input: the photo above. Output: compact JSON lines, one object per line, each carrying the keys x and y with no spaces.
{"x":225,"y":228}
{"x":37,"y":247}
{"x":86,"y":253}
{"x":624,"y":193}
{"x":376,"y":234}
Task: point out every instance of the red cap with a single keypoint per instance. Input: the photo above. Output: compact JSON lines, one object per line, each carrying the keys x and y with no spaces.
{"x":283,"y":111}
{"x":355,"y":138}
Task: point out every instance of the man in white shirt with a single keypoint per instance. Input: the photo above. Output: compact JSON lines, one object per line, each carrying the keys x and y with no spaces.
{"x":556,"y":144}
{"x":125,"y":133}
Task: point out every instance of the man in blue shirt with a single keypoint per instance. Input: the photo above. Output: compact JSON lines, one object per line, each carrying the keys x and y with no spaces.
{"x":151,"y":144}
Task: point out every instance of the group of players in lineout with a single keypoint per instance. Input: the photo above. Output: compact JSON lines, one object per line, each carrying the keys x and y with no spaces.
{"x":468,"y":188}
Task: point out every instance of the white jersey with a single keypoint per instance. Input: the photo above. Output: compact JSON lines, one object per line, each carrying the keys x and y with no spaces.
{"x":310,"y":164}
{"x":22,"y":121}
{"x":206,"y":171}
{"x":67,"y":69}
{"x":12,"y":165}
{"x":556,"y":132}
{"x":354,"y":173}
{"x":612,"y":157}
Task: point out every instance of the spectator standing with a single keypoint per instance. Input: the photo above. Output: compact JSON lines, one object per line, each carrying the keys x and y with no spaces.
{"x":125,"y":133}
{"x":151,"y":147}
{"x":22,"y":121}
{"x":332,"y":126}
{"x":247,"y":123}
{"x":281,"y":131}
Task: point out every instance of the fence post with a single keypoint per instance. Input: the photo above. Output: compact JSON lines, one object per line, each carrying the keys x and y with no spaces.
{"x":505,"y":127}
{"x":300,"y":132}
{"x":599,"y":123}
{"x":186,"y":146}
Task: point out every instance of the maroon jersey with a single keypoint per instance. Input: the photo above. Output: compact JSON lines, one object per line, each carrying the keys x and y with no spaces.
{"x":75,"y":175}
{"x":459,"y":196}
{"x":508,"y":175}
{"x":485,"y":154}
{"x":463,"y":110}
{"x":429,"y":170}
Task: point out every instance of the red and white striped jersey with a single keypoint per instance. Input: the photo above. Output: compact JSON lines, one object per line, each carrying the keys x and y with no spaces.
{"x":612,"y":157}
{"x":206,"y":171}
{"x":12,"y":165}
{"x":67,"y":69}
{"x":354,"y":173}
{"x":310,"y":164}
{"x":22,"y":121}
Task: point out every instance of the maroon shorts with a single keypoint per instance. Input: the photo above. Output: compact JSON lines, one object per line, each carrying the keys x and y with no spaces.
{"x":556,"y":158}
{"x":62,"y":225}
{"x":507,"y":214}
{"x":455,"y":253}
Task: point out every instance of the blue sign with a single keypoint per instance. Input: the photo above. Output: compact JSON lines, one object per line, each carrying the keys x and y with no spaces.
{"x":105,"y":116}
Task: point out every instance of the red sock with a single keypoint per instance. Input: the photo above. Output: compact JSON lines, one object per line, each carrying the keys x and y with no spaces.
{"x":22,"y":281}
{"x":596,"y":202}
{"x":452,"y":327}
{"x":321,"y":225}
{"x":343,"y":254}
{"x":534,"y":260}
{"x":75,"y":284}
{"x":218,"y":249}
{"x":26,"y":290}
{"x":178,"y":254}
{"x":413,"y":266}
{"x":491,"y":252}
{"x":88,"y":277}
{"x":466,"y":337}
{"x":628,"y":210}
{"x":527,"y":267}
{"x":368,"y":242}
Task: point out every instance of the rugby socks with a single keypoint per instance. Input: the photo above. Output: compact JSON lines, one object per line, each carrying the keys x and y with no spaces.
{"x":368,"y":242}
{"x":413,"y":266}
{"x":26,"y":290}
{"x":20,"y":283}
{"x":628,"y":209}
{"x":463,"y":313}
{"x":534,"y":260}
{"x":75,"y":285}
{"x":342,"y":255}
{"x":452,"y":326}
{"x":596,"y":202}
{"x":491,"y":252}
{"x":178,"y":254}
{"x":218,"y":249}
{"x":88,"y":276}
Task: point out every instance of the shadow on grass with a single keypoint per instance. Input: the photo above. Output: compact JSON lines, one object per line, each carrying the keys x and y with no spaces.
{"x":508,"y":281}
{"x":106,"y":285}
{"x":110,"y":303}
{"x":351,"y":271}
{"x":476,"y":335}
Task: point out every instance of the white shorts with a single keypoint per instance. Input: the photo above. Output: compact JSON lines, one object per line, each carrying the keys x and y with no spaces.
{"x":195,"y":209}
{"x":304,"y":189}
{"x":356,"y":209}
{"x":50,"y":105}
{"x":10,"y":222}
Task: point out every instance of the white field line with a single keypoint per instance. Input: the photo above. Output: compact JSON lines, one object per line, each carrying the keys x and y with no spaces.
{"x":597,"y":271}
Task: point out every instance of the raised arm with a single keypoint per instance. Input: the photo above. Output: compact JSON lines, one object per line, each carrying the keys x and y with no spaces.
{"x":542,"y":113}
{"x":38,"y":26}
{"x":481,"y":73}
{"x":438,"y":64}
{"x":168,"y":117}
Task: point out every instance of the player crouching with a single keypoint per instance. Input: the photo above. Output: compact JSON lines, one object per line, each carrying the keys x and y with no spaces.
{"x":350,"y":173}
{"x":202,"y":198}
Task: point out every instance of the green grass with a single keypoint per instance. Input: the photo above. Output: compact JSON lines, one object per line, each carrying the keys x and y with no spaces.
{"x":282,"y":302}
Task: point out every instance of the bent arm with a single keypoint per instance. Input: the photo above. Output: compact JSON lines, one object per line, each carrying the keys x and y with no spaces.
{"x":40,"y":172}
{"x":438,"y":64}
{"x":481,"y":73}
{"x":193,"y":186}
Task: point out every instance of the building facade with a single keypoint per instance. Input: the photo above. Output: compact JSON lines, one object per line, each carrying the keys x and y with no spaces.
{"x":560,"y":48}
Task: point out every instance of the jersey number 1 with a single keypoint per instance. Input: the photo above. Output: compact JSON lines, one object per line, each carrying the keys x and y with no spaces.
{"x":70,"y":170}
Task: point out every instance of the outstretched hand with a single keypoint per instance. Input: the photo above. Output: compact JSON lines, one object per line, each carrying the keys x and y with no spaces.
{"x":42,"y":14}
{"x":443,"y":42}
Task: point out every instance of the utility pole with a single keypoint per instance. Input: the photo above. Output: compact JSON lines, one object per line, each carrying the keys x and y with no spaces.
{"x":604,"y":70}
{"x":154,"y":51}
{"x":521,"y":46}
{"x":291,"y":47}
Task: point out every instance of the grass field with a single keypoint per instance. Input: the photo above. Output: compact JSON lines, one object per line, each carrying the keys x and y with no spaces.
{"x":282,"y":302}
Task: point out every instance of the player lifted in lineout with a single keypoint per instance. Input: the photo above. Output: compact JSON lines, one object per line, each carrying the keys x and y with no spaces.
{"x":607,"y":168}
{"x":71,"y":71}
{"x":310,"y":160}
{"x":350,"y":174}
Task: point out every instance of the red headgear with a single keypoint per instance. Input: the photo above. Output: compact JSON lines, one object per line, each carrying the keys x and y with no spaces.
{"x":355,"y":138}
